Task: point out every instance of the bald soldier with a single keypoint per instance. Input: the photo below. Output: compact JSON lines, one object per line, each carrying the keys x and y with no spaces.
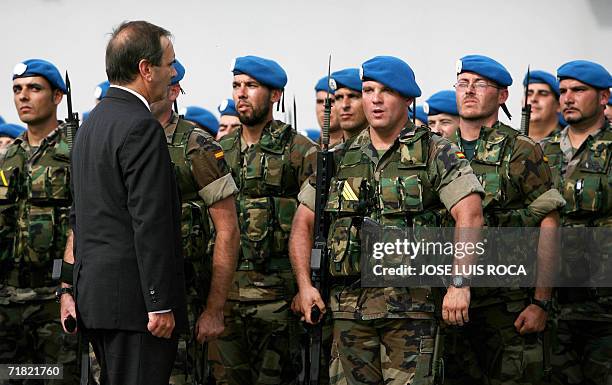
{"x":378,"y":332}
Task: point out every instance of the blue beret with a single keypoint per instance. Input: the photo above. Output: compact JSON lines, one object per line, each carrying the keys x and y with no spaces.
{"x":543,"y":77}
{"x":443,"y":102}
{"x":485,"y":66}
{"x":348,"y":78}
{"x":180,"y":72}
{"x":420,"y":114}
{"x":39,"y":67}
{"x":202,"y":117}
{"x":227,"y":107}
{"x":11,"y":130}
{"x":101,"y":89}
{"x":265,"y":71}
{"x":322,"y":85}
{"x":587,"y":72}
{"x":313,"y":133}
{"x":2,"y":120}
{"x":392,"y":72}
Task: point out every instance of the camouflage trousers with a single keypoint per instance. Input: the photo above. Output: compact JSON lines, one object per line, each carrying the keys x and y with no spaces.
{"x":260,"y":344}
{"x":191,"y":357}
{"x":30,"y":332}
{"x":489,"y":350}
{"x":383,"y":351}
{"x":582,"y":353}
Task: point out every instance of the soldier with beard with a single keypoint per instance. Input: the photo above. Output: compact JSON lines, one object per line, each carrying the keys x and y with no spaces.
{"x":269,"y":161}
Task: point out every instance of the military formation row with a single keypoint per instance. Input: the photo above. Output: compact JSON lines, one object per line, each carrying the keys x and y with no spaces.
{"x":249,"y":211}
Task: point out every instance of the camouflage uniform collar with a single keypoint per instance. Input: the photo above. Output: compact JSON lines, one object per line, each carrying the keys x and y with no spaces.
{"x":564,"y":134}
{"x":271,"y":135}
{"x":170,"y":126}
{"x":52,"y":138}
{"x":409,"y":133}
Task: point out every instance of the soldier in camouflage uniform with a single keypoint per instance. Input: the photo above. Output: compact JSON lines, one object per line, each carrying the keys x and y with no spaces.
{"x":580,"y":157}
{"x":347,"y":102}
{"x":269,"y":162}
{"x":442,"y":114}
{"x":322,"y":91}
{"x":399,"y":175}
{"x":543,"y":95}
{"x":34,"y":203}
{"x":207,"y":192}
{"x":500,"y":344}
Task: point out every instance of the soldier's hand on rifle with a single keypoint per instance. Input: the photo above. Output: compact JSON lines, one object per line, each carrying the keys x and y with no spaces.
{"x":455,"y":306}
{"x":531,"y":320}
{"x":209,"y":326}
{"x":305,"y":300}
{"x":67,"y":308}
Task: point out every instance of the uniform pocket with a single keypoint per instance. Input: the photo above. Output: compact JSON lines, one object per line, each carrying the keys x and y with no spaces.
{"x":40,"y":229}
{"x":284,"y":209}
{"x":255,"y":222}
{"x":273,"y":173}
{"x":344,"y":248}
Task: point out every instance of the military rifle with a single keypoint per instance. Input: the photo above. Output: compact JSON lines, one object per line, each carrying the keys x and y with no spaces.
{"x":526,"y":112}
{"x":319,"y":252}
{"x":72,"y":121}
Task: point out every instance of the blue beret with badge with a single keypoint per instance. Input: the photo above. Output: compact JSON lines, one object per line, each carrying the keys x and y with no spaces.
{"x":420,"y":114}
{"x":393,"y":73}
{"x":2,"y":120}
{"x":587,"y":72}
{"x":101,"y":89}
{"x":180,"y":72}
{"x":266,"y":71}
{"x":347,"y":78}
{"x":313,"y":134}
{"x":227,"y":107}
{"x":542,"y":77}
{"x":322,"y":85}
{"x":443,"y":102}
{"x":202,"y":117}
{"x":39,"y":67}
{"x":11,"y":130}
{"x":485,"y":66}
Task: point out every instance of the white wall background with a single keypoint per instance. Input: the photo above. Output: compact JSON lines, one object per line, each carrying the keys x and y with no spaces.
{"x":429,"y":35}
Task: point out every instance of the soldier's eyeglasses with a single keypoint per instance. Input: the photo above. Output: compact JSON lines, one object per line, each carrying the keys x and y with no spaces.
{"x":479,"y":85}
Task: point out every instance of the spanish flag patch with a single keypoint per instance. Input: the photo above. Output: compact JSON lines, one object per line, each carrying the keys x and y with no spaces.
{"x":460,"y":155}
{"x":218,"y":155}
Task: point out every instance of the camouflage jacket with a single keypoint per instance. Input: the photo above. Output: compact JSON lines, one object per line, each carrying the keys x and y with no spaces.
{"x":268,"y":174}
{"x":411,"y":184}
{"x":518,"y":192}
{"x":584,"y":177}
{"x":203,"y":178}
{"x":35,"y":201}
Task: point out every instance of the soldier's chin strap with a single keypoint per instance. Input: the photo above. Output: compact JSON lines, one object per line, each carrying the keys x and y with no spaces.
{"x":281,"y":102}
{"x":506,"y":111}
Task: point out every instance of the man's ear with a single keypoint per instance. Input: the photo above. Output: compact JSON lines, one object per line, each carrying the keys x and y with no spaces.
{"x":145,"y":69}
{"x":275,"y":95}
{"x":502,"y":96}
{"x":57,"y":97}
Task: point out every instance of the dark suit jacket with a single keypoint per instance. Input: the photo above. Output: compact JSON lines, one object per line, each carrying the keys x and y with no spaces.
{"x":126,"y":218}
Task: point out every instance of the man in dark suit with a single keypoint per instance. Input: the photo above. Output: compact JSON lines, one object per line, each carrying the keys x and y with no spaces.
{"x":128,"y":272}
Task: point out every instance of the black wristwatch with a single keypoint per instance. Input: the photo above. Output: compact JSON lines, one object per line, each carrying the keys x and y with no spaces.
{"x":61,"y":291}
{"x":460,"y":281}
{"x":544,"y":304}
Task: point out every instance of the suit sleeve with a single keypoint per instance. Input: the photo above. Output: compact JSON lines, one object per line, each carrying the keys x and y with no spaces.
{"x":151,"y":197}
